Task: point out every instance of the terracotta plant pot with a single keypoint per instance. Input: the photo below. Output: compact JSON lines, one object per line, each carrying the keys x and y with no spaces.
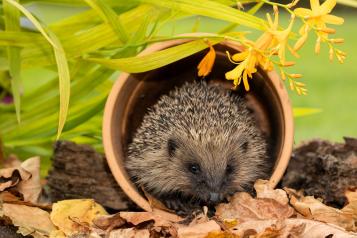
{"x":132,"y":94}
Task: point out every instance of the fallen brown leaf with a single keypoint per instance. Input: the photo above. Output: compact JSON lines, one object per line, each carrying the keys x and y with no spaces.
{"x":72,"y":216}
{"x":129,"y":233}
{"x":264,"y":190}
{"x":314,"y":209}
{"x":198,"y":230}
{"x":26,"y":178}
{"x":10,"y":198}
{"x":290,"y":228}
{"x":29,"y":220}
{"x":244,"y":208}
{"x":160,"y":218}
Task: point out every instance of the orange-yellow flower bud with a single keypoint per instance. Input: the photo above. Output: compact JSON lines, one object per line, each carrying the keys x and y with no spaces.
{"x":337,"y":41}
{"x":318,"y":45}
{"x":206,"y":64}
{"x":328,"y":30}
{"x":300,"y":42}
{"x":295,"y":76}
{"x":331,"y":53}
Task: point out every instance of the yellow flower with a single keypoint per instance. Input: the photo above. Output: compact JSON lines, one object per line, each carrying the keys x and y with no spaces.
{"x":319,"y":15}
{"x":206,"y":64}
{"x":281,"y":37}
{"x":273,"y":41}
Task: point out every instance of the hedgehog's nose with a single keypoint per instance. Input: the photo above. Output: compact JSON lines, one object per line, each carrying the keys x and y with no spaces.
{"x":214,"y":197}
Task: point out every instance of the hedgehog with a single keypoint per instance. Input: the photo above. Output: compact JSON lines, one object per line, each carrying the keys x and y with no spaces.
{"x":196,"y":146}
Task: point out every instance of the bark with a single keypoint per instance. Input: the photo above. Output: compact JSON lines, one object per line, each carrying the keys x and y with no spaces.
{"x":78,"y":171}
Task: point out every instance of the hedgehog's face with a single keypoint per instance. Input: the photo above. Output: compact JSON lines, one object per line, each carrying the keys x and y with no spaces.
{"x":209,"y":171}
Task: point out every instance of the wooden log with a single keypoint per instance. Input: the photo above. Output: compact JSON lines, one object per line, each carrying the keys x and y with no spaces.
{"x":78,"y":171}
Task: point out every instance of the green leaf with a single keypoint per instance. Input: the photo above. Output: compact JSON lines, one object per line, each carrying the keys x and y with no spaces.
{"x":350,"y":3}
{"x":251,"y":11}
{"x":12,"y":23}
{"x":62,"y":65}
{"x":154,"y":60}
{"x":33,"y":20}
{"x":305,"y":111}
{"x":64,"y":82}
{"x":211,"y":9}
{"x":110,"y":17}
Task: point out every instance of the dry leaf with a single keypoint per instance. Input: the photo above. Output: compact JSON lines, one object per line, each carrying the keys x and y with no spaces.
{"x":129,"y":233}
{"x":155,"y":203}
{"x":314,"y":209}
{"x":31,"y":188}
{"x":160,"y":218}
{"x":30,"y":220}
{"x":109,"y":222}
{"x":222,"y":234}
{"x":70,"y":216}
{"x":264,"y":190}
{"x":290,"y":228}
{"x":25,"y":177}
{"x":8,"y":197}
{"x":244,"y":208}
{"x":198,"y":230}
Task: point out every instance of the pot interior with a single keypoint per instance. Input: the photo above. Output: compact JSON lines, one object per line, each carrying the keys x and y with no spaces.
{"x":144,"y":90}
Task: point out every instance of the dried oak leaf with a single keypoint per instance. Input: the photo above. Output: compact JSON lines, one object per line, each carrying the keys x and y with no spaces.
{"x":29,"y":220}
{"x":26,"y":178}
{"x":264,"y":190}
{"x":244,"y":208}
{"x":109,"y":222}
{"x":198,"y":230}
{"x":160,"y":218}
{"x":75,"y":215}
{"x":129,"y":233}
{"x":290,"y":228}
{"x":314,"y":209}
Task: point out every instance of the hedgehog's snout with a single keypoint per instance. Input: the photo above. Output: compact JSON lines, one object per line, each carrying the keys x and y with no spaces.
{"x":215,"y":197}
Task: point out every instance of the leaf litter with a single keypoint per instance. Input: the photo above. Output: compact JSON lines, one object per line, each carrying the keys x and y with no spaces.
{"x":272,"y":213}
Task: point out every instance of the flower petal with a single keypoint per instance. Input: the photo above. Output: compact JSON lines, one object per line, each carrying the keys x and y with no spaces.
{"x":302,"y":12}
{"x":327,"y":7}
{"x":245,"y":81}
{"x":206,"y":64}
{"x":315,"y":4}
{"x":236,"y":72}
{"x":240,"y":56}
{"x":331,"y":19}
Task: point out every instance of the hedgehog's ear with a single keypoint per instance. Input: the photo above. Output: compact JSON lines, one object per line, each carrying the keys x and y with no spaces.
{"x":171,"y":147}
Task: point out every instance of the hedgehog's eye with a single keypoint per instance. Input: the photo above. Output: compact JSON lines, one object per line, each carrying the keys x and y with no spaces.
{"x":229,"y":169}
{"x":171,"y":147}
{"x":244,"y":146}
{"x":194,"y":168}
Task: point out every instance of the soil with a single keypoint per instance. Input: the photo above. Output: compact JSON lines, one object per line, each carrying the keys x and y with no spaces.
{"x":324,"y":169}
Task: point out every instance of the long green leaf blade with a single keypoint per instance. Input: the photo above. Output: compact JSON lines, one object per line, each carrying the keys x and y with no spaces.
{"x":211,"y":9}
{"x":64,"y":83}
{"x":33,"y":20}
{"x":61,"y":61}
{"x":305,"y":111}
{"x":109,"y":16}
{"x":154,"y":60}
{"x":12,"y":23}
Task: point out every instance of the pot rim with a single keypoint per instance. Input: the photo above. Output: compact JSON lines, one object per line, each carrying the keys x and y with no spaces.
{"x":108,"y":140}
